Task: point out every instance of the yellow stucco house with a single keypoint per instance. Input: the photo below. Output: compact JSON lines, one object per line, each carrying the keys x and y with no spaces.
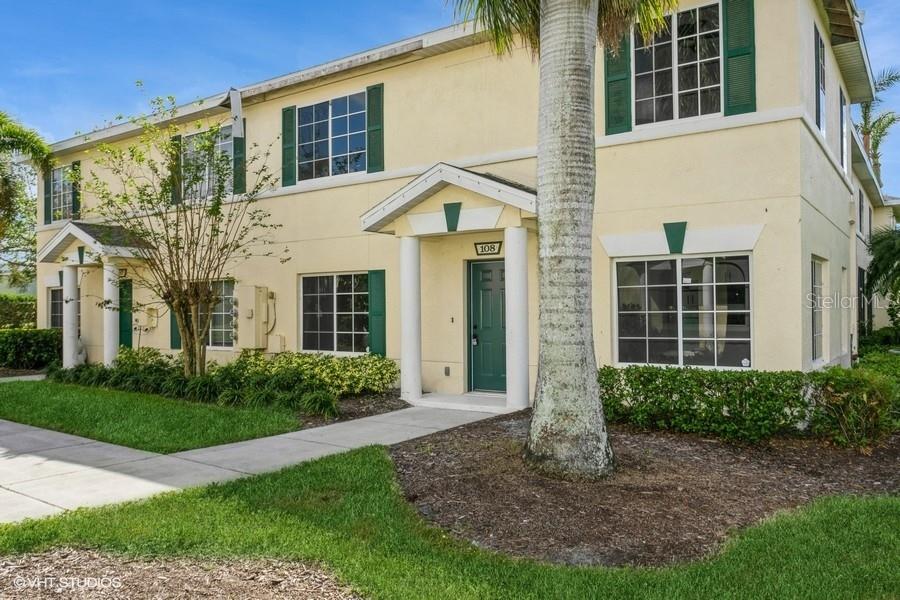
{"x":732,"y":189}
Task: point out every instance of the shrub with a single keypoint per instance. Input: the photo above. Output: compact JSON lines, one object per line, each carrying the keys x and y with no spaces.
{"x":306,"y":382}
{"x":18,"y":311}
{"x":852,"y":406}
{"x":879,"y":340}
{"x":319,"y":402}
{"x":847,"y":406}
{"x":743,"y":406}
{"x":29,"y":348}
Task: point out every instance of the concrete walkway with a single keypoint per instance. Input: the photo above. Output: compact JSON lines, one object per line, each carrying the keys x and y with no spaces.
{"x":45,"y":472}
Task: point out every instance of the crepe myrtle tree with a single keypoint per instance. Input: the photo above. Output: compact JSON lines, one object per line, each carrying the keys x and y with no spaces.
{"x":172,"y":192}
{"x":568,"y":432}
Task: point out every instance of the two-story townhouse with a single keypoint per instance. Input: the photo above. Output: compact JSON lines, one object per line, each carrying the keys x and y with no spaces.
{"x":727,"y":190}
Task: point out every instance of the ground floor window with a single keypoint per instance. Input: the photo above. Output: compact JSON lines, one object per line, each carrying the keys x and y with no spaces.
{"x":221,"y":324}
{"x":336,"y":312}
{"x":55,"y":306}
{"x":818,"y":292}
{"x":684,"y":311}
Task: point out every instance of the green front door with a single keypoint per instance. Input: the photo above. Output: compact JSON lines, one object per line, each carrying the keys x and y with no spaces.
{"x":125,"y":308}
{"x":487,"y":326}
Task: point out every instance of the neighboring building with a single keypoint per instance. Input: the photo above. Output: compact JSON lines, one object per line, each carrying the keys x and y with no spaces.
{"x":29,"y":289}
{"x":731,"y":189}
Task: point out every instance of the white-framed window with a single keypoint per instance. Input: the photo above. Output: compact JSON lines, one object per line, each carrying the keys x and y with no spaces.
{"x":862,"y":214}
{"x":678,"y":74}
{"x":844,"y":139}
{"x":818,"y":314}
{"x":820,"y":81}
{"x":190,"y":152}
{"x":688,"y":311}
{"x":55,"y":306}
{"x":61,"y":193}
{"x":221,"y":324}
{"x":332,"y":137}
{"x":335,"y":312}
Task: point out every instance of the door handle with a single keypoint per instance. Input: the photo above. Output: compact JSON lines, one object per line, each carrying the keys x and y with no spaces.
{"x":474,"y":340}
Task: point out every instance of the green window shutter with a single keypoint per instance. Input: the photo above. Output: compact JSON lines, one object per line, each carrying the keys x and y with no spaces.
{"x":375,"y":128}
{"x":377,"y":312}
{"x":76,"y":190}
{"x":740,"y":56}
{"x":174,"y":334}
{"x":288,"y":146}
{"x":239,"y":175}
{"x":176,"y":170}
{"x":817,"y":43}
{"x":48,"y":204}
{"x":617,"y":73}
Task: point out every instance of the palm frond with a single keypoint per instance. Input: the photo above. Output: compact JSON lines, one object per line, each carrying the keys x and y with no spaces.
{"x":17,"y":138}
{"x":509,"y":21}
{"x":884,"y":270}
{"x":881,"y":126}
{"x":886,"y":79}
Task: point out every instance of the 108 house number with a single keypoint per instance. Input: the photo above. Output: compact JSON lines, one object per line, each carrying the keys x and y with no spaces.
{"x":487,"y":248}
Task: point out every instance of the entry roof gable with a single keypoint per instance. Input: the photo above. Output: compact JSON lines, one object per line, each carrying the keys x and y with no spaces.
{"x":436,"y":179}
{"x":98,"y":239}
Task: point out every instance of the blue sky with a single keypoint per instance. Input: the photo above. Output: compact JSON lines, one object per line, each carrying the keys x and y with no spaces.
{"x":67,"y":67}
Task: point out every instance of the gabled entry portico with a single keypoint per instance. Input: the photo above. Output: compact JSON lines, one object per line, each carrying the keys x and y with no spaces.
{"x":454,"y":224}
{"x":92,"y":246}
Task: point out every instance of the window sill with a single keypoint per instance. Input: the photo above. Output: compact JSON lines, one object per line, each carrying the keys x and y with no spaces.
{"x":622,"y":365}
{"x":335,"y":353}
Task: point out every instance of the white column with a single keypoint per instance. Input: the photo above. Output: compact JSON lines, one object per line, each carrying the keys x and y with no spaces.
{"x":70,"y":316}
{"x":515,"y":240}
{"x":410,"y":319}
{"x":110,"y":313}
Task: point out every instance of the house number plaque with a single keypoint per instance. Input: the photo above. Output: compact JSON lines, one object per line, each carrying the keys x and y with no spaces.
{"x":488,"y":248}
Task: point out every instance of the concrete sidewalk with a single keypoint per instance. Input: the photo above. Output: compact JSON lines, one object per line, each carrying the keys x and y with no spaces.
{"x":45,"y":472}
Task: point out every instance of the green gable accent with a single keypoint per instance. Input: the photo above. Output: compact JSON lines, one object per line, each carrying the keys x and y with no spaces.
{"x":60,"y":277}
{"x":617,"y":74}
{"x":377,"y":312}
{"x":239,"y":167}
{"x":76,"y":189}
{"x":739,"y":53}
{"x":375,"y":128}
{"x":175,"y":174}
{"x":174,"y":333}
{"x":48,"y":206}
{"x":288,"y":146}
{"x":451,"y":214}
{"x":675,"y":236}
{"x":80,"y":255}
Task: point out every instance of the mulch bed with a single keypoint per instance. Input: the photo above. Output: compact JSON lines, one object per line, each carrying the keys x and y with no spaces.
{"x":356,"y":407}
{"x":673,"y":498}
{"x":88,"y":574}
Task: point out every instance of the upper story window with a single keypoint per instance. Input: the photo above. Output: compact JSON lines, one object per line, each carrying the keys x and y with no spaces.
{"x":332,"y":137}
{"x":844,"y":139}
{"x":679,"y":76}
{"x":61,"y":193}
{"x":190,"y":152}
{"x":820,"y":81}
{"x":862,"y":215}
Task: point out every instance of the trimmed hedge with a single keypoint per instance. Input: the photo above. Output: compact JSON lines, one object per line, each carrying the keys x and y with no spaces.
{"x":846,"y":406}
{"x":310,"y":383}
{"x":17,"y":311}
{"x":29,"y":348}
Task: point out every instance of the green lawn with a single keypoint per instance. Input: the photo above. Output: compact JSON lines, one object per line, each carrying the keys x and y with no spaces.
{"x":345,"y":511}
{"x":139,"y":421}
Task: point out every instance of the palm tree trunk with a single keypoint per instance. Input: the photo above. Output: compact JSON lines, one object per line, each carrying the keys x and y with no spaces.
{"x":568,"y":432}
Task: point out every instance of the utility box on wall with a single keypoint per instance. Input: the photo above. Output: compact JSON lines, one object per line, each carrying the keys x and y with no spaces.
{"x":251,"y":316}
